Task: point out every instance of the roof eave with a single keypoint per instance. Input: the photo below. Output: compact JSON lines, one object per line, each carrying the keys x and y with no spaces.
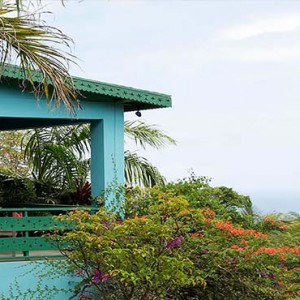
{"x":134,"y":99}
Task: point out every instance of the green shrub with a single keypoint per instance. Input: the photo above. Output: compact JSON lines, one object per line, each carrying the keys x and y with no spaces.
{"x":176,"y":251}
{"x":198,"y":192}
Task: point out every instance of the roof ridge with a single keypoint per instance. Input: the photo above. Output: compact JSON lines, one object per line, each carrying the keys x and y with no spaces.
{"x":97,"y":87}
{"x":75,"y":78}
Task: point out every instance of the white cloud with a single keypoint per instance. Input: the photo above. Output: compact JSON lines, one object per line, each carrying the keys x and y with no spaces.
{"x":271,"y":24}
{"x":264,"y":54}
{"x":186,"y":61}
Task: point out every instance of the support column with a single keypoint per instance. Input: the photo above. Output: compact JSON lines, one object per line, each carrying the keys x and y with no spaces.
{"x":107,"y":157}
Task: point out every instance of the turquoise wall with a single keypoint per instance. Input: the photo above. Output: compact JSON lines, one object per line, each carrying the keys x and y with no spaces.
{"x":17,"y":278}
{"x":107,"y":131}
{"x":15,"y":103}
{"x":107,"y":166}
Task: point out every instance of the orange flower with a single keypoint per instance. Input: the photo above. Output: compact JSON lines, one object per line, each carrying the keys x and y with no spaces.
{"x":275,"y":223}
{"x":284,"y":227}
{"x":225,"y":225}
{"x":273,"y":251}
{"x":282,"y":257}
{"x":208,"y":212}
{"x":197,"y":234}
{"x":244,"y":242}
{"x":239,"y":231}
{"x":270,"y":220}
{"x":237,"y":248}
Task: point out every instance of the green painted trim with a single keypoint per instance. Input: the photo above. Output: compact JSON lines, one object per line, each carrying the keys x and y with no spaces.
{"x":35,"y":223}
{"x":13,"y":244}
{"x":38,"y":208}
{"x":129,"y":95}
{"x":17,"y":231}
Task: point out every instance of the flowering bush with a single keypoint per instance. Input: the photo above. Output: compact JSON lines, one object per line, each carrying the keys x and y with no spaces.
{"x":138,"y":258}
{"x":173,"y":250}
{"x":197,"y":191}
{"x":271,"y":223}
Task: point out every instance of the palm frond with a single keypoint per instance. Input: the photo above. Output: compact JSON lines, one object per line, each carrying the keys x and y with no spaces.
{"x":21,"y":3}
{"x":33,"y":44}
{"x":144,"y":134}
{"x":59,"y":155}
{"x":77,"y":138}
{"x":139,"y":171}
{"x":56,"y":157}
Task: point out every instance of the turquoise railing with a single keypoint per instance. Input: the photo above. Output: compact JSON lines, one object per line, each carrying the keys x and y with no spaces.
{"x":25,"y":237}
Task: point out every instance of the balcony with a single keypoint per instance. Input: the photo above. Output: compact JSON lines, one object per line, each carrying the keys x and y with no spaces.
{"x":24,"y":231}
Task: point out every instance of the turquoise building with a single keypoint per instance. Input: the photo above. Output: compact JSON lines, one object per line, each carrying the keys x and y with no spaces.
{"x":102,"y":106}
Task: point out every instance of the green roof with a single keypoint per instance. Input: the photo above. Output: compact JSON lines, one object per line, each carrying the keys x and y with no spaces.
{"x":134,"y":99}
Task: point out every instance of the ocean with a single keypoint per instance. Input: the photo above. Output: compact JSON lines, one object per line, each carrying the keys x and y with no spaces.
{"x":279,"y":201}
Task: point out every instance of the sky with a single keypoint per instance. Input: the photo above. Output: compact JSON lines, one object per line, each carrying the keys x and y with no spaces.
{"x":233,"y":70}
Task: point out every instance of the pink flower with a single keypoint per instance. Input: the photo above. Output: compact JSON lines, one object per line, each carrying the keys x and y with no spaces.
{"x":100,"y":277}
{"x":175,"y":243}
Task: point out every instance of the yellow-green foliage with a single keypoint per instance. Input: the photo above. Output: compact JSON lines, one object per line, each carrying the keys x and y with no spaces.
{"x":176,"y":251}
{"x":12,"y":161}
{"x":138,"y":257}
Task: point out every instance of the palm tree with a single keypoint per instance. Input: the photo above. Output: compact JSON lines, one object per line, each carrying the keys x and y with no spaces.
{"x":138,"y":170}
{"x":59,"y":154}
{"x":28,"y":41}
